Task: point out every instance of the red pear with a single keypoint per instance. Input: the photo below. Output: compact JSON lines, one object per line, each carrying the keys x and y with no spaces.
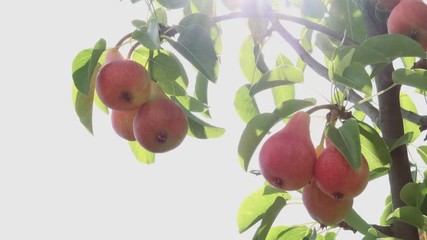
{"x":409,"y":17}
{"x":322,"y":208}
{"x":287,"y":158}
{"x":122,"y":123}
{"x":123,"y":84}
{"x":160,"y":125}
{"x":337,"y":178}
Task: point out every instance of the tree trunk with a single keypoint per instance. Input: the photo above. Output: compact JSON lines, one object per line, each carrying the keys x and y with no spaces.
{"x":391,"y":124}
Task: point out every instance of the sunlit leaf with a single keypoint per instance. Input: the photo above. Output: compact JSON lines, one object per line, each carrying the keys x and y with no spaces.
{"x":355,"y":77}
{"x":313,"y":8}
{"x":141,"y":154}
{"x":269,"y":217}
{"x":245,"y":105}
{"x":201,"y":90}
{"x":248,"y":61}
{"x":254,"y":207}
{"x":201,"y":129}
{"x":374,"y":149}
{"x":358,"y":223}
{"x":281,"y":75}
{"x":394,"y":46}
{"x":403,"y":140}
{"x":422,"y":150}
{"x":408,"y":104}
{"x":411,"y":77}
{"x":288,"y":233}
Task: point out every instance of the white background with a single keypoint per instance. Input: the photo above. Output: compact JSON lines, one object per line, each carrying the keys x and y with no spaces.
{"x":57,"y":181}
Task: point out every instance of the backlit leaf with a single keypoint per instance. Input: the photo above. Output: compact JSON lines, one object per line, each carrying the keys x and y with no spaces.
{"x":141,"y":154}
{"x":245,"y":105}
{"x":407,"y":214}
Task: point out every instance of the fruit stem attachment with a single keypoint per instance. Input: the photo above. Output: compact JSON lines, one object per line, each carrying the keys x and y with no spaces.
{"x":123,"y":39}
{"x":330,"y":107}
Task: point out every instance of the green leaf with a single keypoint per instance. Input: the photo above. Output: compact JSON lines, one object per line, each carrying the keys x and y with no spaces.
{"x":252,"y":135}
{"x":408,"y":104}
{"x":268,"y":218}
{"x":374,"y":148}
{"x":141,"y":154}
{"x":407,"y":214}
{"x":194,"y":43}
{"x":255,"y":206}
{"x":409,"y":194}
{"x":386,"y":212}
{"x":313,"y":8}
{"x":248,"y":61}
{"x":83,"y":103}
{"x":422,"y":151}
{"x":288,"y":233}
{"x":355,"y":221}
{"x":148,"y":36}
{"x":190,"y":103}
{"x":346,"y":17}
{"x":160,"y":15}
{"x":394,"y":46}
{"x":281,"y":75}
{"x":411,"y":77}
{"x":173,"y":4}
{"x":201,"y":6}
{"x":356,"y":77}
{"x":205,"y":22}
{"x":286,"y":108}
{"x":245,"y":105}
{"x":201,"y":129}
{"x":347,"y":141}
{"x":201,"y":91}
{"x":84,"y":65}
{"x":403,"y":140}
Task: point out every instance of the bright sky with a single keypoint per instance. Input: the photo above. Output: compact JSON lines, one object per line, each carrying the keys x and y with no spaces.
{"x":59,"y":182}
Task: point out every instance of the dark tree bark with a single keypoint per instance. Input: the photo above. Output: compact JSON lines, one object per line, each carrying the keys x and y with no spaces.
{"x":391,"y":124}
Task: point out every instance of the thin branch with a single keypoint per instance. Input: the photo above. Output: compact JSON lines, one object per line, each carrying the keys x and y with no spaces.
{"x":318,"y":27}
{"x":352,"y":96}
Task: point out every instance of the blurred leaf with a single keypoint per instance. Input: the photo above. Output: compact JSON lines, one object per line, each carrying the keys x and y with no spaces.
{"x":194,"y":43}
{"x":313,"y":8}
{"x":386,"y":212}
{"x":283,"y":93}
{"x":422,"y":150}
{"x":255,"y":206}
{"x":286,"y":108}
{"x":407,"y":214}
{"x":281,"y":75}
{"x":288,"y":233}
{"x":148,"y":36}
{"x":347,"y":141}
{"x":268,"y":218}
{"x":141,"y":154}
{"x":173,"y":4}
{"x":409,"y":194}
{"x":84,"y":65}
{"x":201,"y":90}
{"x":201,"y":6}
{"x":160,"y":15}
{"x":248,"y":62}
{"x":374,"y":148}
{"x":411,"y":77}
{"x":245,"y":105}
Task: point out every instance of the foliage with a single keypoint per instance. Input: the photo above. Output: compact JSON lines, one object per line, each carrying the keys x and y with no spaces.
{"x":351,"y":60}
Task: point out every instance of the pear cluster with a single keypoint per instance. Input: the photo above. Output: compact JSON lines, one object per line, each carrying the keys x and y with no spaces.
{"x":140,"y":110}
{"x":289,"y":161}
{"x":409,"y":18}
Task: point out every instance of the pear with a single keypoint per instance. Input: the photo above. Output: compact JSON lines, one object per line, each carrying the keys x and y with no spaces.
{"x":287,"y":157}
{"x":123,"y":84}
{"x":122,"y":123}
{"x":323,"y":208}
{"x":160,"y":125}
{"x":409,"y":17}
{"x":337,"y":178}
